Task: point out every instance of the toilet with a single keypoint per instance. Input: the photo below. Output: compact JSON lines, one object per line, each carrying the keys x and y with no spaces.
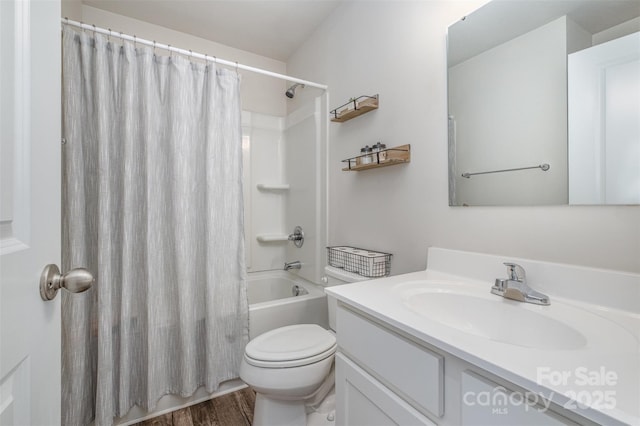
{"x":291,"y":368}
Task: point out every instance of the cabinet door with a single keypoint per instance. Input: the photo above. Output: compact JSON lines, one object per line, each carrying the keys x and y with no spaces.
{"x":411,"y":371}
{"x":487,"y":403}
{"x":363,"y":401}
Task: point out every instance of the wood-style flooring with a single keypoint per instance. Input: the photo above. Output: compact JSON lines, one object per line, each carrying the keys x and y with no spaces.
{"x":232,"y":409}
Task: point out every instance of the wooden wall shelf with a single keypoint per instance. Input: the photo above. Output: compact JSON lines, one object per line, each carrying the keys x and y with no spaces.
{"x":354,"y":108}
{"x":387,"y":157}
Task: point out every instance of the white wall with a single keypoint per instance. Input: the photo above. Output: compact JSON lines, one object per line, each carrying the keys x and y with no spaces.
{"x":71,"y":9}
{"x":259,"y":93}
{"x":498,"y":98}
{"x":398,"y":49}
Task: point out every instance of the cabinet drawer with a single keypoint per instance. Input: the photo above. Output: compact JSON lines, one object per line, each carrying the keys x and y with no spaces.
{"x":410,"y":370}
{"x":487,"y":403}
{"x":363,"y":401}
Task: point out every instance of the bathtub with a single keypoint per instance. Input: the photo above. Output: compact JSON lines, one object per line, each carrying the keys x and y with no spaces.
{"x":279,"y":298}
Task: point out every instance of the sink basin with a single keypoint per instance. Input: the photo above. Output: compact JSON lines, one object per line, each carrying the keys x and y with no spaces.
{"x":496,"y":319}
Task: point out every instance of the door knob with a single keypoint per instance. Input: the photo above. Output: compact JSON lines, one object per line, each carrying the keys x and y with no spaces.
{"x":76,"y":281}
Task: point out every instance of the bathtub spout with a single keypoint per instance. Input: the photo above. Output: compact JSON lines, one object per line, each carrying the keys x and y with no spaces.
{"x":292,"y":265}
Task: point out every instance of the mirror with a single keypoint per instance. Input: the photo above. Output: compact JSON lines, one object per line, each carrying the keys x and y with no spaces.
{"x":530,"y":121}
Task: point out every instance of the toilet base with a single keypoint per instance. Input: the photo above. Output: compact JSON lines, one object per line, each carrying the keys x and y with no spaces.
{"x":325,"y":413}
{"x":277,"y":412}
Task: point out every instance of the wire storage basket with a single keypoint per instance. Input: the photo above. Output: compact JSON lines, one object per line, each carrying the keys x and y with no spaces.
{"x":365,"y":262}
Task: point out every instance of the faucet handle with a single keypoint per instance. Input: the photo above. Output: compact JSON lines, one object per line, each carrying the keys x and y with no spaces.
{"x":499,"y":286}
{"x":515,"y":272}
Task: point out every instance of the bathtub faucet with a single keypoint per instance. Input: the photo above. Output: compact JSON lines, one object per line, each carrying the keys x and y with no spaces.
{"x":292,"y":265}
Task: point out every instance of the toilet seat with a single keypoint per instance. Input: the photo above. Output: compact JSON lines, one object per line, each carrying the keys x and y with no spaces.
{"x":290,"y":346}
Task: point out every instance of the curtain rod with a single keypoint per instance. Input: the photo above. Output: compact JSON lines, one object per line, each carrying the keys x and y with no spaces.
{"x":189,"y":53}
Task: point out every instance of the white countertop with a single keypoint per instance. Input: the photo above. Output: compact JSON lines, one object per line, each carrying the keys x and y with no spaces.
{"x":612,"y":345}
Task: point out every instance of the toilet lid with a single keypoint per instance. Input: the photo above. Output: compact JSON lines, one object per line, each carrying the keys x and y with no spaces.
{"x":290,"y":343}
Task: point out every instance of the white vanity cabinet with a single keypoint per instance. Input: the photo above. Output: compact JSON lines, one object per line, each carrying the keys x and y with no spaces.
{"x":386,"y":377}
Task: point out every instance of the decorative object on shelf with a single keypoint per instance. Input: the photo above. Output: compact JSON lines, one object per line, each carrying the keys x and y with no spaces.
{"x":273,"y":187}
{"x":355,"y":107}
{"x":381,"y":149}
{"x":381,"y":158}
{"x":365,"y":156}
{"x":365,"y":262}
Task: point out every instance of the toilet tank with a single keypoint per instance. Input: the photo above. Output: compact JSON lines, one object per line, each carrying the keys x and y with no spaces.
{"x":337,"y":276}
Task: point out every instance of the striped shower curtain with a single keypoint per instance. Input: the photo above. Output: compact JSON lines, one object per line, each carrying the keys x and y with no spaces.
{"x":152,"y":196}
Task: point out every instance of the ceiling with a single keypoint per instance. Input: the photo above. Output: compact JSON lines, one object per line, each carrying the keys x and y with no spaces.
{"x":271,"y":28}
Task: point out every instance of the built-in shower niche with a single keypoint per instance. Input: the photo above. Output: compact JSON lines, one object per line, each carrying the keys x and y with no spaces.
{"x":282,"y":186}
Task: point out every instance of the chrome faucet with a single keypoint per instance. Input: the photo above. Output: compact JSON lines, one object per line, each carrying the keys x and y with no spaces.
{"x":292,"y":265}
{"x":515,"y":287}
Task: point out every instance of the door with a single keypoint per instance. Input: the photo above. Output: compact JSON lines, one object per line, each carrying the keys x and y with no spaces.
{"x":29,"y":210}
{"x":604,"y":130}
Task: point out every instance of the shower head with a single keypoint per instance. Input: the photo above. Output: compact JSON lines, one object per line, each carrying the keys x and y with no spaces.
{"x":291,"y":91}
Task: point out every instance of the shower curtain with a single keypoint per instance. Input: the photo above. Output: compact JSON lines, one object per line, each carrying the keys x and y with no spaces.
{"x":152,"y":196}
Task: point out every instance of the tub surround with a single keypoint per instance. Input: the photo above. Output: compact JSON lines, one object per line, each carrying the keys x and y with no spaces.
{"x":602,"y":328}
